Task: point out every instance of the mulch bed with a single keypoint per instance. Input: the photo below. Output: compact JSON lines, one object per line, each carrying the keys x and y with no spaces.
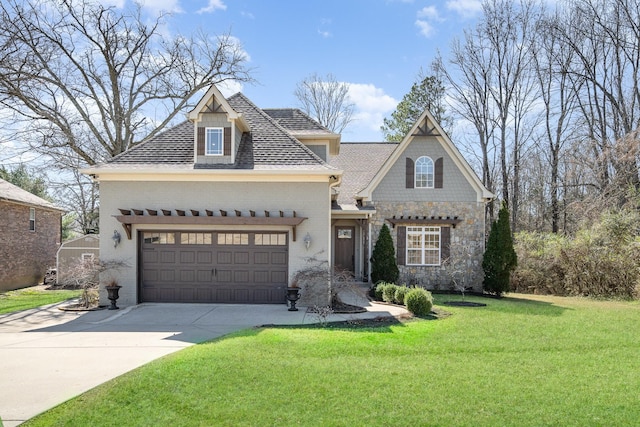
{"x":464,"y":304}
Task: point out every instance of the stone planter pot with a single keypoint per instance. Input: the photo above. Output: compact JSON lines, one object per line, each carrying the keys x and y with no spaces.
{"x":293,"y":295}
{"x":113,"y":295}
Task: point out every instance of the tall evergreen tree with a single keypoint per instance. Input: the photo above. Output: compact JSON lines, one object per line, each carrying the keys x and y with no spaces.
{"x":383,"y":259}
{"x":500,"y":257}
{"x":426,"y":93}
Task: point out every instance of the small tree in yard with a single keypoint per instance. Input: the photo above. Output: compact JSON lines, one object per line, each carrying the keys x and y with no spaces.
{"x":500,"y":258}
{"x":383,"y":260}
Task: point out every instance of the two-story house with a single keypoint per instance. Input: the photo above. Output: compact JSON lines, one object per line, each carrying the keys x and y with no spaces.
{"x":31,"y":233}
{"x":229,"y":205}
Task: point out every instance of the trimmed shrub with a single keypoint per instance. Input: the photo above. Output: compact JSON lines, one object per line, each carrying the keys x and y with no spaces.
{"x":419,"y":301}
{"x":383,"y":259}
{"x":377,"y":290}
{"x":401,"y":292}
{"x":389,"y":292}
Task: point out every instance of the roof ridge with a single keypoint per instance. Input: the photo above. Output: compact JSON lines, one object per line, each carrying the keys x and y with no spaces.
{"x":281,"y":128}
{"x":304,"y":114}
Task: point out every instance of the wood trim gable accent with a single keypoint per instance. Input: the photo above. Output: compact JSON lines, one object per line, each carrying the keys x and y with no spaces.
{"x":424,"y":220}
{"x":426,"y":130}
{"x":128,"y":220}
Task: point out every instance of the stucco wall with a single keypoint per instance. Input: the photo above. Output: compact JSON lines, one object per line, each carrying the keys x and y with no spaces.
{"x":25,"y":255}
{"x":307,"y":199}
{"x":455,"y":185}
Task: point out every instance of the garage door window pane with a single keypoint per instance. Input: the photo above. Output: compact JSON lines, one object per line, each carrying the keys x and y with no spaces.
{"x":159,"y":238}
{"x":233,"y":238}
{"x":195,"y":238}
{"x":270,"y":239}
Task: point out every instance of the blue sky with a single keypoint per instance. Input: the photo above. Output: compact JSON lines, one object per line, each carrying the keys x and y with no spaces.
{"x":376,"y":46}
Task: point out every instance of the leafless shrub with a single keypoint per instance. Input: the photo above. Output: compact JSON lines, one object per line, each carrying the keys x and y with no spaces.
{"x":317,"y":275}
{"x":85,"y":275}
{"x":458,"y":267}
{"x":322,"y":313}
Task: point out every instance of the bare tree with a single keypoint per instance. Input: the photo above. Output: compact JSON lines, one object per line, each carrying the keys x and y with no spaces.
{"x":89,"y":81}
{"x":605,"y":39}
{"x":79,"y":196}
{"x":553,"y":58}
{"x":326,"y":100}
{"x":469,"y":81}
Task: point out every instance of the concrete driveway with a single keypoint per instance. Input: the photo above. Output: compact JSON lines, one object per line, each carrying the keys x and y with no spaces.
{"x":49,"y":356}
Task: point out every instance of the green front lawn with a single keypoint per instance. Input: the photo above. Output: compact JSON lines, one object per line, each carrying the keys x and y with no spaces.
{"x":535,"y":361}
{"x":24,"y":299}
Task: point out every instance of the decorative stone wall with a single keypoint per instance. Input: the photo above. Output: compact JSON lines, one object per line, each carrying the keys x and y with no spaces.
{"x":467,"y":242}
{"x":25,"y":255}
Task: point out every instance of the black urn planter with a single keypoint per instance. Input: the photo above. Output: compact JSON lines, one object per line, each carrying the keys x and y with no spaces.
{"x":113,"y":295}
{"x":293,"y":295}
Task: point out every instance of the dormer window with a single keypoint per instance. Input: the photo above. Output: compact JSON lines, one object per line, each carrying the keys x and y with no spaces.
{"x":214,"y":142}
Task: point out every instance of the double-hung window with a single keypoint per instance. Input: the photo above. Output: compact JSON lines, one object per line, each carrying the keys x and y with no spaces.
{"x":32,"y":219}
{"x":424,"y":172}
{"x":423,"y":245}
{"x":214,"y":141}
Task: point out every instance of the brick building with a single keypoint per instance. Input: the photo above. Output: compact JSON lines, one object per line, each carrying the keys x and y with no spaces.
{"x":31,"y":233}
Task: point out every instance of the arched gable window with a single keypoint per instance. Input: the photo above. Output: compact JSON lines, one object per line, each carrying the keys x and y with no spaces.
{"x":424,"y":172}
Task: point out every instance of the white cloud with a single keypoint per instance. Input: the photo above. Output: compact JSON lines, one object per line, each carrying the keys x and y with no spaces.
{"x":119,"y":4}
{"x":429,"y":12}
{"x":248,"y":15}
{"x":155,"y":7}
{"x":465,"y":8}
{"x":372,"y":105}
{"x":213,"y":6}
{"x":229,"y":87}
{"x":426,"y":29}
{"x":324,"y":34}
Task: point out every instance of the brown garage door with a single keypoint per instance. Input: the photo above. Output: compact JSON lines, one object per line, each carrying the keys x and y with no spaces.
{"x":220,"y":267}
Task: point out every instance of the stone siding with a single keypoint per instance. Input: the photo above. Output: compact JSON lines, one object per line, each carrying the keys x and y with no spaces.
{"x":467,"y":242}
{"x":25,"y":255}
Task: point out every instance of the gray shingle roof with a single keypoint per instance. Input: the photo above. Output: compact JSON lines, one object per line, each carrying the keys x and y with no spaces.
{"x":360,"y":162}
{"x":173,"y":146}
{"x":16,"y":194}
{"x":268,"y":145}
{"x":293,"y":119}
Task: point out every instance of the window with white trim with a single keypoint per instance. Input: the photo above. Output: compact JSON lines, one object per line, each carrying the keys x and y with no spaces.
{"x":32,"y":219}
{"x":214,"y":144}
{"x":423,"y":245}
{"x":424,"y":172}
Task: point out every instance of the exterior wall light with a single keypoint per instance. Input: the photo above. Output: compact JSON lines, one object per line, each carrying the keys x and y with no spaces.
{"x":307,"y":241}
{"x":115,"y":238}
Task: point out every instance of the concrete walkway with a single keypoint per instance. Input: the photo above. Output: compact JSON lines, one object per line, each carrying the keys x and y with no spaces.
{"x":49,"y":356}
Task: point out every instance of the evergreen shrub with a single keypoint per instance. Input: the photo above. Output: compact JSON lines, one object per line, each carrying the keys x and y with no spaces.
{"x":419,"y":301}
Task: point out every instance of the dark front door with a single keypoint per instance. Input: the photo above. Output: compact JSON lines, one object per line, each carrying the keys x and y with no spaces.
{"x":345,"y":247}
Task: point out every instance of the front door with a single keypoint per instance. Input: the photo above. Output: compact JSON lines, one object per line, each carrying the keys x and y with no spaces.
{"x":345,"y":246}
